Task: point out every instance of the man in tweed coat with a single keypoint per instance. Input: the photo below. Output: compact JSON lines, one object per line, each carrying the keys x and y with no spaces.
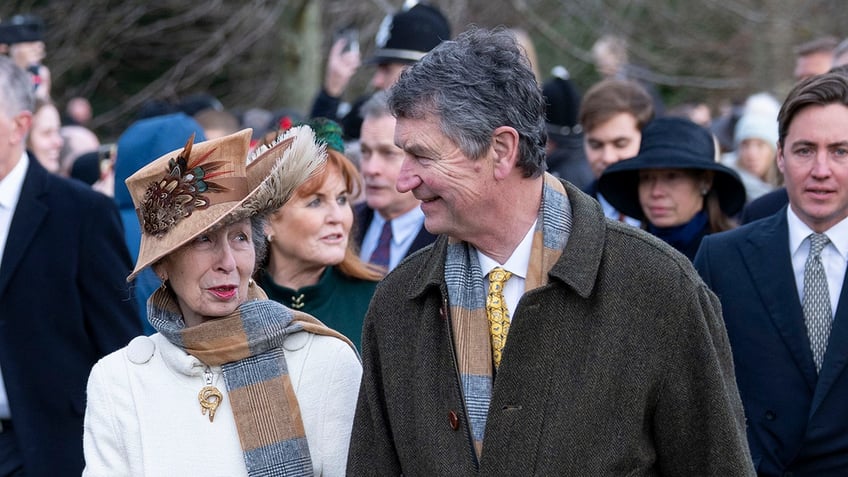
{"x":616,"y":359}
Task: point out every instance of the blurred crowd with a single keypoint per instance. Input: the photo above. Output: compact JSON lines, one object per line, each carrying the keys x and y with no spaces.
{"x":688,"y":175}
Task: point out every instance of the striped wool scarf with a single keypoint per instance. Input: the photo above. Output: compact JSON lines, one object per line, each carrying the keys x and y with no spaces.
{"x":467,"y":295}
{"x":248,"y":346}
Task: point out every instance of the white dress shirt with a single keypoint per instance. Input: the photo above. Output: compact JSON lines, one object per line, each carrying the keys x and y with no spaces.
{"x":614,"y":214}
{"x":517,"y":264}
{"x":10,"y":192}
{"x":834,"y":256}
{"x":404,"y":230}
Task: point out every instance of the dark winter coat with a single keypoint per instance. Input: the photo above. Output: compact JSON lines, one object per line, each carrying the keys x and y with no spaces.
{"x":619,"y":366}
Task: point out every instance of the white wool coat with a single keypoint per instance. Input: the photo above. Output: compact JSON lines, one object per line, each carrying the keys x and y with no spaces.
{"x":143,"y":417}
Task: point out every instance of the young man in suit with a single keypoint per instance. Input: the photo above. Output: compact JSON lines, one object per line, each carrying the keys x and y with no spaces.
{"x":389,"y":225}
{"x":781,"y":282}
{"x":64,"y":300}
{"x":612,"y":115}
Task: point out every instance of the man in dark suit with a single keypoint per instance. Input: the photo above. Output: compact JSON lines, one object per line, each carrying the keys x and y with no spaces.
{"x":765,"y":205}
{"x":781,"y":282}
{"x":64,"y":300}
{"x":389,"y":225}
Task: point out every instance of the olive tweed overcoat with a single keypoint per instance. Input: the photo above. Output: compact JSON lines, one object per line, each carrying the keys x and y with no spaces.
{"x":620,"y":366}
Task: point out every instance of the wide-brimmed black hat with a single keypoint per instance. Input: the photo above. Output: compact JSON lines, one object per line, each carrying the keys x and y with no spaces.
{"x":407,"y":36}
{"x":21,"y":29}
{"x":670,"y":143}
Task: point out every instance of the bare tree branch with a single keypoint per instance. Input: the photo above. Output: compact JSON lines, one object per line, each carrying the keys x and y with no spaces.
{"x":266,"y":53}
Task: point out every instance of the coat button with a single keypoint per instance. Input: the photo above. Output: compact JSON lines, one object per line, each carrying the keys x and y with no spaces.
{"x":770,"y":415}
{"x":454,"y":420}
{"x":442,"y":314}
{"x":140,"y":350}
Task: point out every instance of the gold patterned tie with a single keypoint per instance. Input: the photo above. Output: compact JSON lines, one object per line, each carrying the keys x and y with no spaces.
{"x":497,"y":312}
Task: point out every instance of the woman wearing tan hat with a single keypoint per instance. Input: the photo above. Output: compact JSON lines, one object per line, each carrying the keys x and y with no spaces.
{"x":233,"y":383}
{"x":675,"y":186}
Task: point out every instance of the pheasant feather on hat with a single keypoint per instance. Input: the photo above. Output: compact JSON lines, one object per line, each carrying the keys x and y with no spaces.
{"x":190,"y":191}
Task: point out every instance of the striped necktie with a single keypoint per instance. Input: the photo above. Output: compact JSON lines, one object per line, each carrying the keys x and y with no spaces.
{"x":380,"y":255}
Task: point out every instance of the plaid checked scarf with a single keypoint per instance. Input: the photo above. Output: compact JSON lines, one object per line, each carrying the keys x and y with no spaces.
{"x":467,"y":294}
{"x":248,"y":346}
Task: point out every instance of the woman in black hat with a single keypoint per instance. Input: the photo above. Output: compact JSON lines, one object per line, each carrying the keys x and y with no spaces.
{"x":675,"y":186}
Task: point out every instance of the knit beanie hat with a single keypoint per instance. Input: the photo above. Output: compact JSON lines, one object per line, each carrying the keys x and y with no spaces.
{"x":756,"y":126}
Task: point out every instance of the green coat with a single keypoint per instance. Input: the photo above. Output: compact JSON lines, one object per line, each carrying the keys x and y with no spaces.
{"x":619,"y":366}
{"x":338,"y":300}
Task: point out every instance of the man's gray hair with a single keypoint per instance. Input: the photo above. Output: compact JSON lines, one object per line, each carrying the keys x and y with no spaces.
{"x":16,"y":90}
{"x":473,"y":85}
{"x":377,"y":106}
{"x":841,"y":48}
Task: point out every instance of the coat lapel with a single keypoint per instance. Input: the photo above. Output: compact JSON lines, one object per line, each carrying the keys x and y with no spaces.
{"x":767,"y":258}
{"x":836,"y":355}
{"x":29,"y":214}
{"x":422,"y":239}
{"x":580,"y":263}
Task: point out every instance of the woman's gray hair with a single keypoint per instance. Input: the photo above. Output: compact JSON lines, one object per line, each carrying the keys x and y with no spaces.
{"x":260,"y":244}
{"x":473,"y":85}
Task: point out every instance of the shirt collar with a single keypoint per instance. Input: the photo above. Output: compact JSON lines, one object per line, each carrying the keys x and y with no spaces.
{"x":799,"y":231}
{"x":403,"y":225}
{"x":10,"y":186}
{"x":517,"y":263}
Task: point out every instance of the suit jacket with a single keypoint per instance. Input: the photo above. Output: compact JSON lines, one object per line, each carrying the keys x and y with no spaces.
{"x":619,"y":366}
{"x":64,"y":303}
{"x":797,"y":421}
{"x":362,"y":217}
{"x":765,"y":205}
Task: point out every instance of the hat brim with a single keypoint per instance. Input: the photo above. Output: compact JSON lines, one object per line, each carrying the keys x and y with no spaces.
{"x":13,"y":34}
{"x":562,"y":133}
{"x":391,"y":55}
{"x":272,"y":174}
{"x":619,"y":184}
{"x":153,"y":248}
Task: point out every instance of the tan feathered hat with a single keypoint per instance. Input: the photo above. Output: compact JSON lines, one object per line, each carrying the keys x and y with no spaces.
{"x":192,"y":190}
